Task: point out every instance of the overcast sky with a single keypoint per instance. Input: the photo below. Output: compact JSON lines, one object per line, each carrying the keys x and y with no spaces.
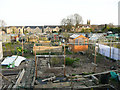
{"x":51,"y":12}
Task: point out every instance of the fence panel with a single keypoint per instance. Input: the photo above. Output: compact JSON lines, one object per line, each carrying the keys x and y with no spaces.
{"x":105,"y":50}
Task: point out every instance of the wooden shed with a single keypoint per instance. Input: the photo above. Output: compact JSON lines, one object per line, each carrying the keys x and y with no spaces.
{"x":78,"y":43}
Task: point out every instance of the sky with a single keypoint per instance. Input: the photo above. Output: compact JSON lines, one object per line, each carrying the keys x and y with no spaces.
{"x":51,"y":12}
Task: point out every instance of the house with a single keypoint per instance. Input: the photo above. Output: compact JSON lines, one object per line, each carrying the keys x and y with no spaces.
{"x":82,"y":28}
{"x":56,"y":29}
{"x":21,"y":30}
{"x":78,"y":43}
{"x":37,"y":30}
{"x":6,"y":38}
{"x":28,"y":29}
{"x":33,"y":29}
{"x":47,"y":29}
{"x":33,"y":38}
{"x":14,"y":30}
{"x":51,"y":29}
{"x":9,"y":30}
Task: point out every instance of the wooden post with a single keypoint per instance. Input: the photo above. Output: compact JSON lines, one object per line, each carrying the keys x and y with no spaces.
{"x":35,"y":61}
{"x":22,"y":46}
{"x":95,"y":55}
{"x":110,"y":48}
{"x":64,"y":61}
{"x":73,"y":46}
{"x":78,"y":41}
{"x":95,"y":58}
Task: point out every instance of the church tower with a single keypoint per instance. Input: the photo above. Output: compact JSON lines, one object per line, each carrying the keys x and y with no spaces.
{"x":88,"y":22}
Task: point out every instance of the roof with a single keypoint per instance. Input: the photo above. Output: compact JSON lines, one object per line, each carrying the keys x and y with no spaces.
{"x":33,"y":27}
{"x":111,"y":35}
{"x":96,"y":36}
{"x":75,"y":36}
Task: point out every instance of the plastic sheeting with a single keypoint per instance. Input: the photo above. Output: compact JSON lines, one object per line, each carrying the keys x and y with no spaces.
{"x":105,"y":50}
{"x":9,"y":60}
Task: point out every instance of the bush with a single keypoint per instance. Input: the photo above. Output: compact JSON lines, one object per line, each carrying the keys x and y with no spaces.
{"x":76,"y":59}
{"x":69,"y":61}
{"x":25,"y":50}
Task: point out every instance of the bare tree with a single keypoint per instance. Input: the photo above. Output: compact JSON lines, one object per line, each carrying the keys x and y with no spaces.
{"x":78,"y":20}
{"x":2,"y":23}
{"x":63,"y":22}
{"x":71,"y":20}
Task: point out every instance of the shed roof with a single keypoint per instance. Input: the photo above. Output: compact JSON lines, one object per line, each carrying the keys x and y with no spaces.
{"x":75,"y":36}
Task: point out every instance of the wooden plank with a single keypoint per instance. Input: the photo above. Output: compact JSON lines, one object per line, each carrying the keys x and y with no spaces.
{"x":101,"y":73}
{"x":10,"y":86}
{"x":6,"y":78}
{"x":95,"y":79}
{"x":19,"y":79}
{"x":10,"y":72}
{"x":47,"y":48}
{"x":47,"y":56}
{"x":48,"y":79}
{"x":52,"y":85}
{"x":96,"y":86}
{"x":33,"y":81}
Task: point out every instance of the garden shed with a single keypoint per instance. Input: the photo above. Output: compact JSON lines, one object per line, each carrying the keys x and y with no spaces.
{"x":78,"y":43}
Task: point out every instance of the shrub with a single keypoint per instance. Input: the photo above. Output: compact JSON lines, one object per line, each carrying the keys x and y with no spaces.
{"x":69,"y":61}
{"x":25,"y":50}
{"x":76,"y":59}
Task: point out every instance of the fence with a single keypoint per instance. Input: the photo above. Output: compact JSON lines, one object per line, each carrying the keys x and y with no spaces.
{"x":113,"y":53}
